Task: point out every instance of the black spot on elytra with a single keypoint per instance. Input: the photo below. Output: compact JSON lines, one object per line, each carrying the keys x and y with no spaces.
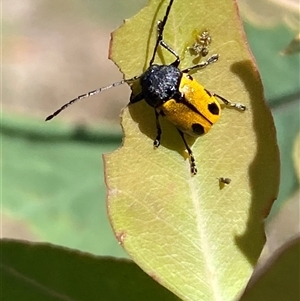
{"x":213,"y":108}
{"x":198,"y":129}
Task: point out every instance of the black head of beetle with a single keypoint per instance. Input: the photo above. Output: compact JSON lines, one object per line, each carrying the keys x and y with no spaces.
{"x":159,"y":84}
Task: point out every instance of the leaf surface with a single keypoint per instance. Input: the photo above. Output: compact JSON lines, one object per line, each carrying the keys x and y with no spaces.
{"x":197,"y":238}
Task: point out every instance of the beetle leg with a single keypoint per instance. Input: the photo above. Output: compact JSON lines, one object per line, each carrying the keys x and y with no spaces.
{"x":228,"y":103}
{"x":156,"y":142}
{"x":192,"y":159}
{"x":203,"y":64}
{"x":136,"y":98}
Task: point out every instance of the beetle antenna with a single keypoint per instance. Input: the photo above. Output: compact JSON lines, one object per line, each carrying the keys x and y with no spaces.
{"x":91,"y":93}
{"x":161,"y":26}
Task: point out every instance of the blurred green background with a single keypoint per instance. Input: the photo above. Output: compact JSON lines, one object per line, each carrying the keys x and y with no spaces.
{"x":52,"y":175}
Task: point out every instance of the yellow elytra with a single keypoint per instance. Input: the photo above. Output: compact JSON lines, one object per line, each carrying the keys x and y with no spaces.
{"x":196,"y":116}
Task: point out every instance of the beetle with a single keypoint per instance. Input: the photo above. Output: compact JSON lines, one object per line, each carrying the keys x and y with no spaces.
{"x":174,"y":94}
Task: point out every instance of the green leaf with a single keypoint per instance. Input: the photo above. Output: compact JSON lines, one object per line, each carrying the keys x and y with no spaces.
{"x":43,"y":272}
{"x":197,"y":239}
{"x":278,"y":279}
{"x":52,"y":187}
